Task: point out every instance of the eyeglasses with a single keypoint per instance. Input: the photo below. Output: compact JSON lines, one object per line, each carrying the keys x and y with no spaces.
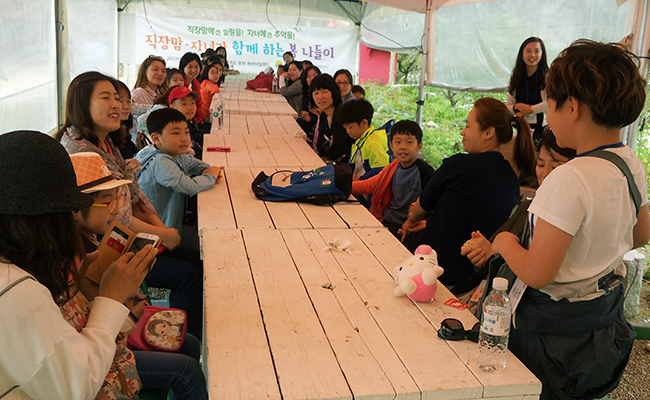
{"x":343,"y":83}
{"x":154,"y":57}
{"x":113,"y":206}
{"x":452,"y":329}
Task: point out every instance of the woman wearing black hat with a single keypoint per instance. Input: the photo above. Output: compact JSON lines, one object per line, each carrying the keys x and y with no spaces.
{"x":42,"y":355}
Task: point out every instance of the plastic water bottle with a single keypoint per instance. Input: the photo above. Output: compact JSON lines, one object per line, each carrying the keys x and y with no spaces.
{"x":495,"y":328}
{"x":222,"y":110}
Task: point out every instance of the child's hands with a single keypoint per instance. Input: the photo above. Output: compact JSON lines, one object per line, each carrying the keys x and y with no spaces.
{"x":478,"y":249}
{"x":125,"y":275}
{"x":410,"y":227}
{"x":214,"y":171}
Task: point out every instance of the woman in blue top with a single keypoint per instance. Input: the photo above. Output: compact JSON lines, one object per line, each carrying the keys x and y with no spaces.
{"x":479,"y":188}
{"x":527,"y":88}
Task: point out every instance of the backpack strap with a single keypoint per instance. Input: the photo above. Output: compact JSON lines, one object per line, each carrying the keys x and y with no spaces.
{"x":622,"y":165}
{"x":14,"y":283}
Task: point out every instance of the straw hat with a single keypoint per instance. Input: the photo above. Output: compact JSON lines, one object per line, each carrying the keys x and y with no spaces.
{"x":93,"y":174}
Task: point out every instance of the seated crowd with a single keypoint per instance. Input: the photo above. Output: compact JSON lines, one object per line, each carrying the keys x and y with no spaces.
{"x":135,"y":157}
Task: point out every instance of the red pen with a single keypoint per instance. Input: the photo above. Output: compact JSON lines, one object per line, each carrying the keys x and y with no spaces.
{"x":219,"y":148}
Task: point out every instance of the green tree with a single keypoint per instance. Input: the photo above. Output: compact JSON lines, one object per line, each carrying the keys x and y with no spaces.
{"x":408,"y":67}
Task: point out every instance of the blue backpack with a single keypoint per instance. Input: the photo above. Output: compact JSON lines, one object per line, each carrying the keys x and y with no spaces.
{"x":324,"y":185}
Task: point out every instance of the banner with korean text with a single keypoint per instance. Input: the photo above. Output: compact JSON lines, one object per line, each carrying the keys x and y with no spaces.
{"x":251,"y":47}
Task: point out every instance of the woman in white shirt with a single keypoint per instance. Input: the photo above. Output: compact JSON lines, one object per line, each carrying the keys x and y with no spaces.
{"x":42,"y":355}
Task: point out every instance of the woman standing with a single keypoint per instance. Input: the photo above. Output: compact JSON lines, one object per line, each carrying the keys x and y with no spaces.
{"x":527,"y":89}
{"x":151,"y":83}
{"x":473,"y":191}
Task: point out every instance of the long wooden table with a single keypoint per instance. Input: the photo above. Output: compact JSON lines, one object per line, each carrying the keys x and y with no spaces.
{"x":249,"y":102}
{"x":288,"y":317}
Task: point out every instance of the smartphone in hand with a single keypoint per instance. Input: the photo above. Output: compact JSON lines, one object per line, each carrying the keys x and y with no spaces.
{"x":143,"y":239}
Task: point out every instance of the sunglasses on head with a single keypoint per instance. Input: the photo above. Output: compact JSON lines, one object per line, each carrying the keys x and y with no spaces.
{"x":452,"y":329}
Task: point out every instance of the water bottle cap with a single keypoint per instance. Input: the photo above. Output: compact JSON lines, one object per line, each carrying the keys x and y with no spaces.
{"x":500,"y":283}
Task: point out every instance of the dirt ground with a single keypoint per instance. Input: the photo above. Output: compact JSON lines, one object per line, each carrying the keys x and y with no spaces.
{"x":635,"y":384}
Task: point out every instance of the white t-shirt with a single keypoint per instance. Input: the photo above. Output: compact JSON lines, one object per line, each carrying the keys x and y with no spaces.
{"x":588,"y":198}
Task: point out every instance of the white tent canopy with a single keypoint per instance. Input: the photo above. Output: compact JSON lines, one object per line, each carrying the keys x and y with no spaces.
{"x":475,"y":41}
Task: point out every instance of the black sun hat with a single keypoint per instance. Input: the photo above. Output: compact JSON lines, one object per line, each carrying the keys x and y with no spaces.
{"x":36,"y":176}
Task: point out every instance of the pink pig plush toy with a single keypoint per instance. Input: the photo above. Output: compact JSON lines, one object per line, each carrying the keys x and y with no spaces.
{"x":417,"y":276}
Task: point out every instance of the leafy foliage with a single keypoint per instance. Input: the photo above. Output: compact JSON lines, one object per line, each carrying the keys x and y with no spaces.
{"x":443,"y":115}
{"x":408,"y":67}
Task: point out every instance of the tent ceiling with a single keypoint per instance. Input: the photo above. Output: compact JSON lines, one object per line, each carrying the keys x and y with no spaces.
{"x":420,"y":6}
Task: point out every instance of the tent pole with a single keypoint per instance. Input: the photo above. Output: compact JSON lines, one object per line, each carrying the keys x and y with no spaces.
{"x":642,"y":51}
{"x":423,"y":63}
{"x":59,"y":26}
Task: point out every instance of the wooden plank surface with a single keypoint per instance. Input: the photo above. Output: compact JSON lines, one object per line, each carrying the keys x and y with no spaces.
{"x":214,"y":157}
{"x":281,"y":151}
{"x":305,"y":363}
{"x":289,"y":123}
{"x":371,"y":366}
{"x":250,"y":213}
{"x":307,"y":156}
{"x":256,"y":125}
{"x":238,"y":125}
{"x":239,"y":359}
{"x":322,"y":217}
{"x":356,"y":215}
{"x":435,"y":367}
{"x":273,"y":125}
{"x":239,"y":155}
{"x":517,"y":381}
{"x":214,"y":207}
{"x":259,"y":151}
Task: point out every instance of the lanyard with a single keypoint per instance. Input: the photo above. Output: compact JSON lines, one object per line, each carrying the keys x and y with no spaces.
{"x":536,"y":88}
{"x":607,"y":146}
